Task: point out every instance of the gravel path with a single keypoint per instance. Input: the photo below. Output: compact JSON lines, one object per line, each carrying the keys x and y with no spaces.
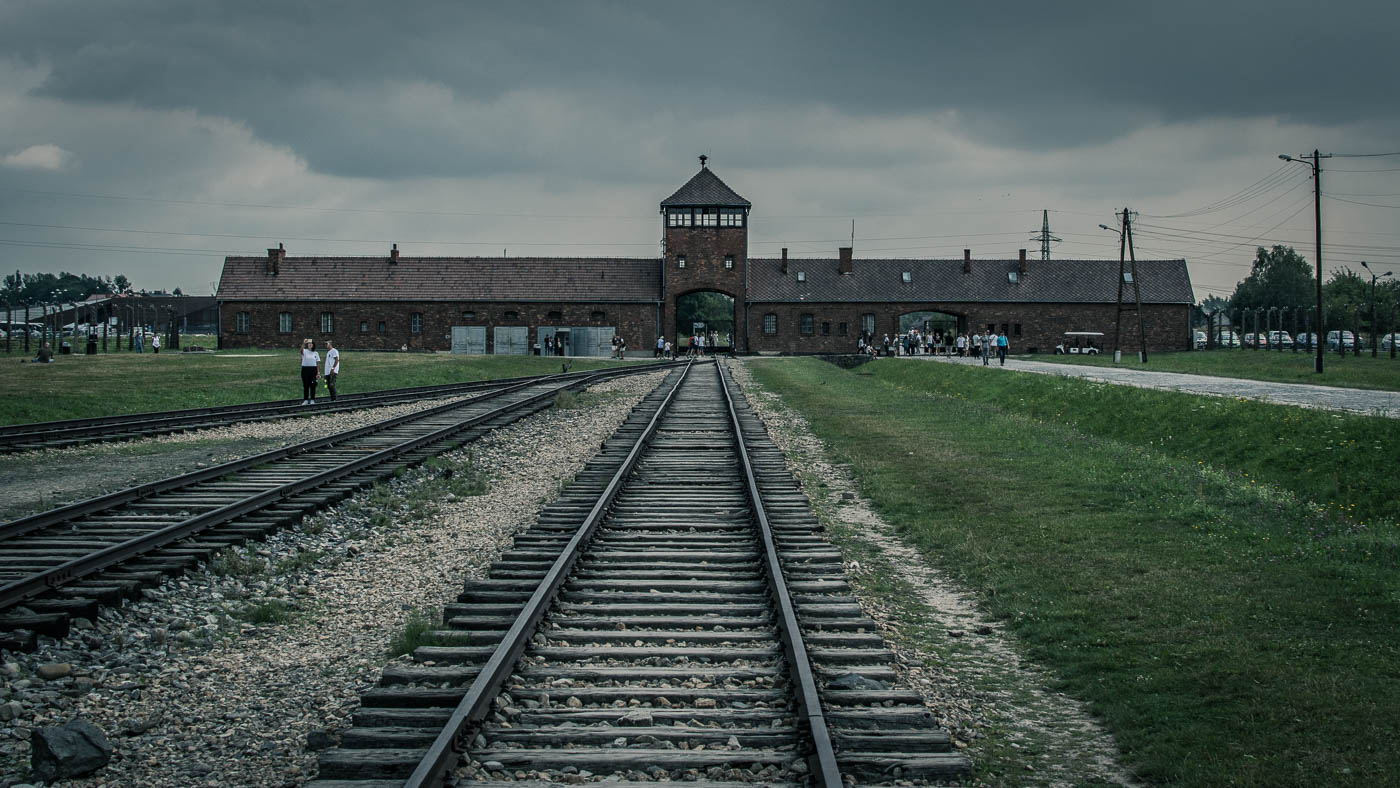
{"x":38,"y":480}
{"x":1364,"y":401}
{"x":193,"y":691}
{"x":977,"y":685}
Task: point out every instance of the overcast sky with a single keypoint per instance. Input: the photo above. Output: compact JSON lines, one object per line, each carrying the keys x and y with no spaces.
{"x":151,"y":138}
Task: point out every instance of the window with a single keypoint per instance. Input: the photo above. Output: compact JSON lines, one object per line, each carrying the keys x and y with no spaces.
{"x":841,"y":329}
{"x":241,"y":322}
{"x":364,"y":326}
{"x":826,"y":328}
{"x":1016,"y":330}
{"x":512,"y":315}
{"x":382,"y":327}
{"x":709,"y":217}
{"x":770,"y":323}
{"x":907,"y":277}
{"x":327,"y":322}
{"x":469,"y":315}
{"x":805,"y":325}
{"x":284,"y":322}
{"x":678,"y":217}
{"x":729,"y":261}
{"x":991,"y":328}
{"x":556,"y":316}
{"x":599,"y":315}
{"x":1128,"y":277}
{"x":680,"y":261}
{"x":731,"y":218}
{"x":415,"y":323}
{"x":1004,"y":329}
{"x":801,"y":276}
{"x":867,"y":324}
{"x":1013,"y":276}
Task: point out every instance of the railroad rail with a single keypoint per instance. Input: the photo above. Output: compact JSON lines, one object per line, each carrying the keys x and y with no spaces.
{"x":674,"y":610}
{"x":74,"y":432}
{"x":67,"y":561}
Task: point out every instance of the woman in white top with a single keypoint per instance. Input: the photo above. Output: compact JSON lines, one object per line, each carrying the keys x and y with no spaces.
{"x":310,"y":359}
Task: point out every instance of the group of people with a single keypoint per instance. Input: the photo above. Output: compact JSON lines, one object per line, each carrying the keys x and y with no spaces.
{"x":619,"y":347}
{"x":310,"y":375}
{"x":913,"y":343}
{"x":554,"y":346}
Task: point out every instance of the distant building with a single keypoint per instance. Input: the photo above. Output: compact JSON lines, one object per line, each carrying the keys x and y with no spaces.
{"x":780,"y":305}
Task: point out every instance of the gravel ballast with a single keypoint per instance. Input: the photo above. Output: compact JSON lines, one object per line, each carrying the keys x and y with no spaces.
{"x":221,"y":676}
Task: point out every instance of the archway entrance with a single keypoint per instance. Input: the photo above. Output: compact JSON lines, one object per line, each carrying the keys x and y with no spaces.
{"x":706,"y":312}
{"x":931,"y":324}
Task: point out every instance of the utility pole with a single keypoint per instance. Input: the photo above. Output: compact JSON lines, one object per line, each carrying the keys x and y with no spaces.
{"x":1044,"y":235}
{"x":1127,"y":272}
{"x":1316,"y":165}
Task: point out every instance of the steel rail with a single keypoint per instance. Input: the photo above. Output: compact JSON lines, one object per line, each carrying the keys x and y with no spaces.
{"x":450,"y":743}
{"x":822,"y":760}
{"x":39,"y":582}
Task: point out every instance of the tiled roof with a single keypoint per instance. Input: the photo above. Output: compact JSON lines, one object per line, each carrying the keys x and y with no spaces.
{"x":1045,"y":281}
{"x":705,"y":189}
{"x":442,"y":279}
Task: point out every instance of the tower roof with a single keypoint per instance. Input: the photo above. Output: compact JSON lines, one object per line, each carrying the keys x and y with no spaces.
{"x":705,"y":189}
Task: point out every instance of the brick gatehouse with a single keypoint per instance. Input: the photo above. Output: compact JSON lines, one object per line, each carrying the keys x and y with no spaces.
{"x":510,"y":305}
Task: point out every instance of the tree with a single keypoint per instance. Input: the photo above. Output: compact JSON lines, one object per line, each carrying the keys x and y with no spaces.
{"x":715,"y":310}
{"x":121,"y":284}
{"x":176,"y":291}
{"x":1280,"y":277}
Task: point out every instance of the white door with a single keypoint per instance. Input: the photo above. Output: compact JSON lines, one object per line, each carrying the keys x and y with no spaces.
{"x":469,"y":339}
{"x":511,"y":340}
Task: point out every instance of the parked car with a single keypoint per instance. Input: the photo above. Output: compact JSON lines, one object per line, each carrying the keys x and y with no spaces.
{"x":1346,"y":339}
{"x":1279,"y":339}
{"x":1198,"y":338}
{"x":1084,"y":342}
{"x":1252,"y":340}
{"x":1391,"y":340}
{"x":1227,"y":338}
{"x":1306,"y":340}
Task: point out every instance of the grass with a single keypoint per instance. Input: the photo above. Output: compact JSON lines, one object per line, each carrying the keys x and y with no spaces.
{"x":271,"y":611}
{"x":1360,"y":372}
{"x":101,"y":385}
{"x":1228,"y":629}
{"x":415,"y":633}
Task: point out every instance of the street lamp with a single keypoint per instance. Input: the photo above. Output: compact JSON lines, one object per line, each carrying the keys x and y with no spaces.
{"x":1317,"y":223}
{"x":1373,"y":303}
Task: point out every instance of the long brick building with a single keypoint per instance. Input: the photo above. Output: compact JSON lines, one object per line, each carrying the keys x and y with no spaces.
{"x":511,"y":305}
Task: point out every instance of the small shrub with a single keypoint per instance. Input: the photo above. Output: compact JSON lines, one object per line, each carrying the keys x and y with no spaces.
{"x":232,"y":563}
{"x":295,"y":563}
{"x":566,"y":400}
{"x":414,"y":634}
{"x":272,"y":611}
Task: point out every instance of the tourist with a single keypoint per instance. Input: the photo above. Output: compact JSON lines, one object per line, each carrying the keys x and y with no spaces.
{"x":660,"y":346}
{"x":986,"y":347}
{"x":310,"y":359}
{"x":155,"y":344}
{"x":45,"y":355}
{"x":1002,"y":346}
{"x":332,"y":368}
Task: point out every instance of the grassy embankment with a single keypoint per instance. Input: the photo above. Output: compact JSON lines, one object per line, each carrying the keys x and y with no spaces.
{"x":1218,"y":579}
{"x":1360,"y":372}
{"x":83,"y":386}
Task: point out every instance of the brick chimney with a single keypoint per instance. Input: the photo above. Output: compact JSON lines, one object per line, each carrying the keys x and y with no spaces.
{"x":274,"y":259}
{"x":967,"y":261}
{"x":394,"y":255}
{"x":845,"y":252}
{"x":1022,"y":269}
{"x":784,"y":268}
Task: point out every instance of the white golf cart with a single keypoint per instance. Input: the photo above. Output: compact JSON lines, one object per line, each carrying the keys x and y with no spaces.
{"x":1081,"y":342}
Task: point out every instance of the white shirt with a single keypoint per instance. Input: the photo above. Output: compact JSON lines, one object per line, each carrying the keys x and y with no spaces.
{"x":332,"y":362}
{"x":310,"y":358}
{"x":155,"y":341}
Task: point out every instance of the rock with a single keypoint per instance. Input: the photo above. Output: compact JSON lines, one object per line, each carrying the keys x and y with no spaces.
{"x":320,"y":739}
{"x":573,"y":703}
{"x":956,"y":633}
{"x":10,"y":711}
{"x":138,"y":727}
{"x":637,"y":718}
{"x":855,"y":681}
{"x":704,"y":703}
{"x":53,"y":670}
{"x":493,"y":766}
{"x":70,"y":750}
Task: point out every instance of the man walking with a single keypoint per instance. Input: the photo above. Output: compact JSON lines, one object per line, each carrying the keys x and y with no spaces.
{"x":332,"y":368}
{"x":1001,"y":348}
{"x":987,"y":340}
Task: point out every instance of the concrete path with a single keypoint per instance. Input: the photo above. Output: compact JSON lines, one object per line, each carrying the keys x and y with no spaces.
{"x":1365,"y":401}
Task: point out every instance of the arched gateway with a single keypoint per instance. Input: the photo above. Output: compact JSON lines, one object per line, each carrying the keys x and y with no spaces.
{"x":705,"y":227}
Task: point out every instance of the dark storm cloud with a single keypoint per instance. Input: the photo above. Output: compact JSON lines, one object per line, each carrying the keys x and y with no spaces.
{"x":446,"y":88}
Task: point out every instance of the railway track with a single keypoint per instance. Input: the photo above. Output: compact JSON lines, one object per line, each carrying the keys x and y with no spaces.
{"x":66,"y":562}
{"x":75,"y":432}
{"x":675,"y":610}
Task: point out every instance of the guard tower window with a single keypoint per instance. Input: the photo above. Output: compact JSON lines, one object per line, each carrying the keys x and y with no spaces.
{"x":709,"y":217}
{"x":729,"y":218}
{"x":729,"y":261}
{"x":680,"y":261}
{"x":284,"y":322}
{"x":241,"y":322}
{"x":770,"y":323}
{"x":678,"y":217}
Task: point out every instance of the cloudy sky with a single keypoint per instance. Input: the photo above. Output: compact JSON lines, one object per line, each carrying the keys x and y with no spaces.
{"x":151,"y":138}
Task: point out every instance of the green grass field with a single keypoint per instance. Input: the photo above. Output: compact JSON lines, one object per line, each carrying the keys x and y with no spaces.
{"x":83,"y":386}
{"x":1229,"y":622}
{"x":1350,"y":371}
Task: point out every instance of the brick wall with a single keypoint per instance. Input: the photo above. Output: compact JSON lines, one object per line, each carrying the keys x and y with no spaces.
{"x":1041,"y":325}
{"x":704,"y":249}
{"x":635,"y":322}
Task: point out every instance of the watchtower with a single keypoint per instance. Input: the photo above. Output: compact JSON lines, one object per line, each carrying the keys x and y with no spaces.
{"x":705,"y":227}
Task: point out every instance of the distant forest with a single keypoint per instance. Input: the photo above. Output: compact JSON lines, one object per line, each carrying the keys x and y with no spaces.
{"x":63,"y":287}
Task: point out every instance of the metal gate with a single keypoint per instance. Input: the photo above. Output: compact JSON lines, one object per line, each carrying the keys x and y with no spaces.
{"x":511,"y":340}
{"x":593,"y":340}
{"x":469,"y":339}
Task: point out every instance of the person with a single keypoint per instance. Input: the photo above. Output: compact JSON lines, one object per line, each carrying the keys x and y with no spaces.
{"x":986,"y":347}
{"x":332,"y":368}
{"x":549,"y":346}
{"x":670,"y":352}
{"x":700,"y":345}
{"x":140,"y":340}
{"x":660,"y":346}
{"x":938,"y":344}
{"x":310,"y":359}
{"x":621,"y":348}
{"x":1002,"y":346}
{"x":976,"y":344}
{"x":962,"y":345}
{"x":155,"y":344}
{"x":45,"y":355}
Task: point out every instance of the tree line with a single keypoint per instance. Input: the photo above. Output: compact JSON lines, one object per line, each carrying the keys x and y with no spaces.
{"x":1280,"y":277}
{"x":63,"y":287}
